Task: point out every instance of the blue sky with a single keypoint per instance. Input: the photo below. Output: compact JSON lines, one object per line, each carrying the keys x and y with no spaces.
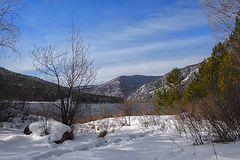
{"x":126,"y":37}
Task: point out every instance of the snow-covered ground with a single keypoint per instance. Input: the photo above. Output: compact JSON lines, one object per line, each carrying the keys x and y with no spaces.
{"x":147,"y":138}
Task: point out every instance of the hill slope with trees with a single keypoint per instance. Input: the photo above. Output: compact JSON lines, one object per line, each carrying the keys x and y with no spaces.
{"x":15,"y":86}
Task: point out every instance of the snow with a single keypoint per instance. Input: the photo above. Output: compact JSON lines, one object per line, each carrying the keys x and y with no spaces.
{"x":55,"y":129}
{"x":147,"y":138}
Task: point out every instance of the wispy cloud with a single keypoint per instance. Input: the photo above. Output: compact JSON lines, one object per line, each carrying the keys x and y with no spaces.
{"x":159,"y":46}
{"x":17,"y":65}
{"x":175,"y":21}
{"x":157,"y":67}
{"x":132,"y":47}
{"x":181,"y":29}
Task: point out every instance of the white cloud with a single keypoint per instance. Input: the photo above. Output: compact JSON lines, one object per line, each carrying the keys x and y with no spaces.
{"x":156,"y":46}
{"x":17,"y":65}
{"x":136,"y":39}
{"x":118,"y":43}
{"x":158,"y":67}
{"x":178,"y":22}
{"x":175,"y":21}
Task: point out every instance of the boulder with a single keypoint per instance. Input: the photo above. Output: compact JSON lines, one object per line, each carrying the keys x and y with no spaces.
{"x":102,"y":134}
{"x":27,"y":131}
{"x":66,"y":136}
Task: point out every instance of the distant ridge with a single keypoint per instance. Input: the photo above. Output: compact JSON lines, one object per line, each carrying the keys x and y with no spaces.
{"x":15,"y":86}
{"x":147,"y":92}
{"x":139,"y":87}
{"x":122,"y":86}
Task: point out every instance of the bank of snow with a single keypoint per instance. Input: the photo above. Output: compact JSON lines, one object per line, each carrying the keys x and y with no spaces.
{"x":147,"y":138}
{"x":51,"y":130}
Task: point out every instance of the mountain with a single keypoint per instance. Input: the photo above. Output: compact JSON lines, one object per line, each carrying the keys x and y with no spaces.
{"x":122,"y":86}
{"x":138,"y":87}
{"x":17,"y":86}
{"x":21,"y":87}
{"x":147,"y":91}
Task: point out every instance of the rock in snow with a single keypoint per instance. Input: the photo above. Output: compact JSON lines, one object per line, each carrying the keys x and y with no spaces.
{"x":27,"y":131}
{"x":157,"y":141}
{"x":55,"y":130}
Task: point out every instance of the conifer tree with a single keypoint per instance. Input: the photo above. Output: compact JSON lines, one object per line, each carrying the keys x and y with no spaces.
{"x":169,"y":93}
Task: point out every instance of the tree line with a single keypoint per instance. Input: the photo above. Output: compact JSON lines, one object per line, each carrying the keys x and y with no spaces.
{"x":213,"y":94}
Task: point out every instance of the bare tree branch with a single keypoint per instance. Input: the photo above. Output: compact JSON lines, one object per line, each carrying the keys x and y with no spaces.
{"x":9,"y":32}
{"x":71,"y":67}
{"x":222,"y":15}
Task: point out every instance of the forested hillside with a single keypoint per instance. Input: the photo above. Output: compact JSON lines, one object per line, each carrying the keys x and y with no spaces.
{"x":16,"y":86}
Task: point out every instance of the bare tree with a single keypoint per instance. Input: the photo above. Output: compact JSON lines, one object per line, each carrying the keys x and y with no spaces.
{"x":224,"y":21}
{"x":70,"y":67}
{"x":222,"y":15}
{"x":9,"y":10}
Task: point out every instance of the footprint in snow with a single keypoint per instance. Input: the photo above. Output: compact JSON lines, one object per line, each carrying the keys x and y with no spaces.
{"x":117,"y":141}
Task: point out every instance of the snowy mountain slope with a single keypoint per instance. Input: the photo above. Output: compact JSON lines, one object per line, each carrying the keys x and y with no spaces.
{"x":122,"y":86}
{"x":147,"y":91}
{"x":139,"y":87}
{"x":126,"y":142}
